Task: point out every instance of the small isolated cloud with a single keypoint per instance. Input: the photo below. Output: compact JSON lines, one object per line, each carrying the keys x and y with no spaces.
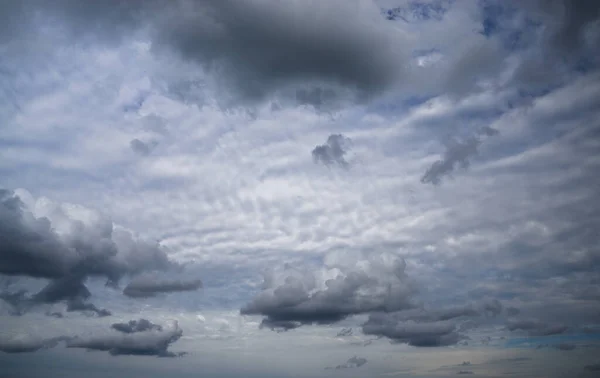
{"x":333,"y":151}
{"x":29,"y":344}
{"x":149,"y":342}
{"x":134,"y":326}
{"x":466,"y":363}
{"x":535,"y":328}
{"x":464,"y":372}
{"x":352,"y":363}
{"x":144,"y":287}
{"x":345,"y":332}
{"x":141,"y":148}
{"x":377,"y":283}
{"x":458,"y":153}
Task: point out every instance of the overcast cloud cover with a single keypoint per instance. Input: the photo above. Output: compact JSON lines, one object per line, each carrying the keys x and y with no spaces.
{"x":403,"y":185}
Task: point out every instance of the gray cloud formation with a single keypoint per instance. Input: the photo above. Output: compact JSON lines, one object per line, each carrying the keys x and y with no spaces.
{"x":28,"y":345}
{"x":458,"y":153}
{"x":134,"y":326}
{"x":144,"y":287}
{"x":465,"y":372}
{"x":66,"y":246}
{"x":353,"y":362}
{"x":429,"y":328}
{"x":256,"y":47}
{"x":333,"y":151}
{"x":263,"y":46}
{"x":535,"y":327}
{"x":151,"y":342}
{"x":425,"y":334}
{"x":295,"y":296}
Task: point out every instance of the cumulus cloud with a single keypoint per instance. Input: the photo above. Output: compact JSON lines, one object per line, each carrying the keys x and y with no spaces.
{"x":535,"y":327}
{"x":458,"y":153}
{"x":333,"y":151}
{"x":376,"y":283}
{"x":134,"y":326}
{"x":145,"y":286}
{"x":149,"y":342}
{"x":28,"y":344}
{"x":67,"y":244}
{"x":418,"y":334}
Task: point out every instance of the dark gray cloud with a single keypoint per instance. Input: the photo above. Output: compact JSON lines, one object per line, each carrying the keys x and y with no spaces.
{"x":151,"y":342}
{"x":535,"y":327}
{"x":28,"y":345}
{"x":333,"y":151}
{"x":458,"y":153}
{"x":256,"y":48}
{"x":465,"y":372}
{"x":512,"y":311}
{"x":134,"y":326}
{"x":143,"y":287}
{"x":32,"y":247}
{"x":264,"y":46}
{"x":418,"y":334}
{"x":296,"y":297}
{"x":69,"y":289}
{"x":352,"y":363}
{"x":54,"y":314}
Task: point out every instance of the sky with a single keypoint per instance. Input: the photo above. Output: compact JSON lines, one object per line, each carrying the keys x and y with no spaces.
{"x":299,"y":188}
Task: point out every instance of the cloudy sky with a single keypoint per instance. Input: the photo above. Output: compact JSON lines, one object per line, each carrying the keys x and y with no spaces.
{"x":299,"y":188}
